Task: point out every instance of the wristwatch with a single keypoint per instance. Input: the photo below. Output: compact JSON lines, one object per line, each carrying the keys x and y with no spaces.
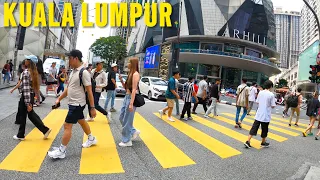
{"x":92,"y":107}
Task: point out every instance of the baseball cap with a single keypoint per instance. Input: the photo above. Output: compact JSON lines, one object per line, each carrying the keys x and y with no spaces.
{"x":33,"y":58}
{"x":75,"y":53}
{"x":114,"y":65}
{"x":99,"y":62}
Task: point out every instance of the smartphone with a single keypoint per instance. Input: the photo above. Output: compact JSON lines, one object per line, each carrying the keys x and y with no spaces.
{"x":56,"y":106}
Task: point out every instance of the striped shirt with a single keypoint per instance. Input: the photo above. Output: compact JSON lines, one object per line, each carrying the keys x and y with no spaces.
{"x":26,"y":87}
{"x":189,"y":92}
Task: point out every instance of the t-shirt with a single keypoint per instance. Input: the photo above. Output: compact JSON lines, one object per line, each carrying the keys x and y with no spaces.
{"x":252,"y":93}
{"x":312,"y":107}
{"x":171,"y":86}
{"x":177,"y":83}
{"x":52,"y":71}
{"x":265,"y":101}
{"x":243,"y":88}
{"x":189,"y":92}
{"x":111,"y":86}
{"x":203,"y":86}
{"x":214,"y":92}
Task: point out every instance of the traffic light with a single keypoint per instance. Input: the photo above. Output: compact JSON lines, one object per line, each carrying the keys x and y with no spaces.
{"x":313,"y":73}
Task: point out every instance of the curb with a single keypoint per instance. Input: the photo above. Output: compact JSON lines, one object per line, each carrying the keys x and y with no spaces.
{"x":13,"y":84}
{"x":303,"y":171}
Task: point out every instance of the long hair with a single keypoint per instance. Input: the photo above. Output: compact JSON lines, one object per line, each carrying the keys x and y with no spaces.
{"x":134,"y":68}
{"x":32,"y":68}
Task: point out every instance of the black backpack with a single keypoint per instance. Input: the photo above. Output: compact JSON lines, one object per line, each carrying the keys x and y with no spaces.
{"x":293,"y":101}
{"x":93,"y":82}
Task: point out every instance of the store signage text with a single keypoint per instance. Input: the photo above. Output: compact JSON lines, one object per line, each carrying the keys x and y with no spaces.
{"x":247,"y":36}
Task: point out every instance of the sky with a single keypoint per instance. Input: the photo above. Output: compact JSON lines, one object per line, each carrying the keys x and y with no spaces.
{"x":87,"y":36}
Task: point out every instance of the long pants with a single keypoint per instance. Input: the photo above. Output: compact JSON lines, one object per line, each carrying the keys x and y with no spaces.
{"x":110,"y":96}
{"x":293,"y":110}
{"x":238,"y":113}
{"x":96,"y":97}
{"x":213,"y":107}
{"x":177,"y":106}
{"x":34,"y":118}
{"x":186,"y":108}
{"x":6,"y":76}
{"x":60,"y":88}
{"x":201,"y":101}
{"x":250,"y":106}
{"x":285,"y":111}
{"x":126,"y":118}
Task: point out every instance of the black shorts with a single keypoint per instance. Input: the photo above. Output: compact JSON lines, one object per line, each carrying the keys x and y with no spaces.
{"x":75,"y":114}
{"x":255,"y":127}
{"x":51,"y":83}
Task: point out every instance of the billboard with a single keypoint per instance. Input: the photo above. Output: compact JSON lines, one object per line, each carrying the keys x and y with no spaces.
{"x":152,"y":58}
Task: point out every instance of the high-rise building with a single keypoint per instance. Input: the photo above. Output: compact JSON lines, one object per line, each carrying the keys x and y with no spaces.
{"x":288,"y":37}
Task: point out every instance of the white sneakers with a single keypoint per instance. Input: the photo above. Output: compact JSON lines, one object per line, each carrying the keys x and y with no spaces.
{"x":206,"y":116}
{"x":135,"y":135}
{"x":89,"y":119}
{"x":127,"y":144}
{"x":16,"y":138}
{"x":161,"y":113}
{"x":170,"y":119}
{"x":89,"y":143}
{"x":57,"y":153}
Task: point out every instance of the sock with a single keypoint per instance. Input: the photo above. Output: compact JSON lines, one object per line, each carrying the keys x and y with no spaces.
{"x":63,"y":148}
{"x":90,"y":137}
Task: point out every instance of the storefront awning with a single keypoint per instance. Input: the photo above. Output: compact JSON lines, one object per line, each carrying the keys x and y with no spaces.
{"x":55,"y":52}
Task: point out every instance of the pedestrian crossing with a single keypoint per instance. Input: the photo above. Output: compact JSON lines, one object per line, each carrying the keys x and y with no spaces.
{"x":104,"y":158}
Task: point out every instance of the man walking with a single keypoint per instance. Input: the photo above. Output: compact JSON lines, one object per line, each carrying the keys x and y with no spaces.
{"x":266,"y":103}
{"x":189,"y":93}
{"x":214,"y":94}
{"x":6,"y":72}
{"x":253,"y":92}
{"x":112,"y":85}
{"x":77,"y":102}
{"x":295,"y":101}
{"x":11,"y":69}
{"x":100,"y":80}
{"x":242,"y":101}
{"x":51,"y":80}
{"x":202,"y":95}
{"x":171,"y":94}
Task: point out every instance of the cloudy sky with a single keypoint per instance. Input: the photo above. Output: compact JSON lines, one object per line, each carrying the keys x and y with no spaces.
{"x":87,"y":36}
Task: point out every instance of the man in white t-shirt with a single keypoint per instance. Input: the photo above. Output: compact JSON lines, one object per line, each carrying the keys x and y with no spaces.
{"x":253,"y":92}
{"x":242,"y":101}
{"x":263,"y":116}
{"x":202,"y":95}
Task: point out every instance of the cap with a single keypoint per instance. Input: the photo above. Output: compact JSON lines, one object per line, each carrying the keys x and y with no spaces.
{"x":75,"y":53}
{"x":99,"y":61}
{"x":33,"y":58}
{"x":114,"y":65}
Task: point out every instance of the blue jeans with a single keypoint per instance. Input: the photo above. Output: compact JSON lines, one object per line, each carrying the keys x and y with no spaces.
{"x":177,"y":106}
{"x":238,"y":113}
{"x":60,"y":88}
{"x":6,"y":76}
{"x":110,"y":95}
{"x":126,"y":119}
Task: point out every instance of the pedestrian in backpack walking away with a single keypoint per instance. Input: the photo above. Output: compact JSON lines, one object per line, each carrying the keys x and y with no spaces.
{"x":312,"y":112}
{"x":75,"y":92}
{"x":189,"y":93}
{"x":285,"y":111}
{"x":214,"y":94}
{"x":98,"y":82}
{"x":112,"y":85}
{"x":294,"y":101}
{"x":128,"y":110}
{"x":171,"y":94}
{"x":266,"y":103}
{"x":253,"y":92}
{"x":202,"y":95}
{"x":242,"y":101}
{"x":29,"y":86}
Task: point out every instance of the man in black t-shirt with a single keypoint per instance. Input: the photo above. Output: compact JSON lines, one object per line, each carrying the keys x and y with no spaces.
{"x":214,"y":94}
{"x":111,"y":87}
{"x":11,"y":69}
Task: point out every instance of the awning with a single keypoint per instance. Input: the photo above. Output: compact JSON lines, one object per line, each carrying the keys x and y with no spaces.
{"x":55,"y":52}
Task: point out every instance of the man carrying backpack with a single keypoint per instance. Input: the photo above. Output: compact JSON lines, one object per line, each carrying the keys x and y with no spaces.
{"x":294,"y":101}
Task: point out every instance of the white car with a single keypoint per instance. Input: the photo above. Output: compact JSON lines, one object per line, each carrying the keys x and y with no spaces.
{"x":153,"y":87}
{"x":120,"y":90}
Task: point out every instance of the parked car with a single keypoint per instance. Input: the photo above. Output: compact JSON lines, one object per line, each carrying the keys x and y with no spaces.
{"x":153,"y":87}
{"x":120,"y":89}
{"x":223,"y":92}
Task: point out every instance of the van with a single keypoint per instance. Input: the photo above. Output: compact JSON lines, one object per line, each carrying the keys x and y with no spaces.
{"x":48,"y":62}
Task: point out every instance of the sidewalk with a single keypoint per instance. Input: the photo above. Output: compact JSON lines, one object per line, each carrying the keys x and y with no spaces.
{"x":6,"y":85}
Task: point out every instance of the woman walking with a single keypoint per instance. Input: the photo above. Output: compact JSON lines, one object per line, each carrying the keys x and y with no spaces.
{"x":312,"y":112}
{"x":129,"y":133}
{"x":29,"y":86}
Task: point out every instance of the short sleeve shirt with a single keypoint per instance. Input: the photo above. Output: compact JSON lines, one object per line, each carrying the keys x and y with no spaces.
{"x":52,"y":71}
{"x":242,"y":93}
{"x":252,"y":93}
{"x":76,"y":93}
{"x":203,"y":86}
{"x":171,"y":86}
{"x":111,"y":86}
{"x":265,"y":101}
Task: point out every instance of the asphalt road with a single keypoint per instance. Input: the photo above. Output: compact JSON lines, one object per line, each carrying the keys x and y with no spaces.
{"x":195,"y":149}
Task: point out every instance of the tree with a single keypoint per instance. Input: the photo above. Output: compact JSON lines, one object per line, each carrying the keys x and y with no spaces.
{"x":282,"y":83}
{"x":112,"y":49}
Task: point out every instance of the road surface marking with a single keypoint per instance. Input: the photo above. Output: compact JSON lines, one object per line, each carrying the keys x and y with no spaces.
{"x":212,"y":144}
{"x":270,"y":126}
{"x":248,"y":128}
{"x":167,"y":154}
{"x":287,"y":121}
{"x":102,"y":158}
{"x":28,"y":155}
{"x":226,"y":131}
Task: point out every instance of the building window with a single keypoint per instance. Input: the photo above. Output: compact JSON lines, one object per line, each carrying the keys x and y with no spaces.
{"x":295,"y":75}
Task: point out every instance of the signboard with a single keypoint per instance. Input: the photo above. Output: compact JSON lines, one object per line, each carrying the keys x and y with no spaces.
{"x":152,"y":58}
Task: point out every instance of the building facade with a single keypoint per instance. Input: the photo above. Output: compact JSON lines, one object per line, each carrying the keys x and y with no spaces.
{"x":227,"y":39}
{"x":288,"y":37}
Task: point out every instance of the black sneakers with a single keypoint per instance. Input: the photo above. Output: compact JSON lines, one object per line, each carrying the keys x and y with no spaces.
{"x":265,"y":144}
{"x":247,"y":144}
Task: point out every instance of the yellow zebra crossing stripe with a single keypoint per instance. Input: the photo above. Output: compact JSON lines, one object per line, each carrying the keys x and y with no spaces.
{"x":212,"y":144}
{"x":284,"y":131}
{"x":28,"y":155}
{"x":167,"y":154}
{"x":102,"y":158}
{"x":246,"y":127}
{"x":229,"y":132}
